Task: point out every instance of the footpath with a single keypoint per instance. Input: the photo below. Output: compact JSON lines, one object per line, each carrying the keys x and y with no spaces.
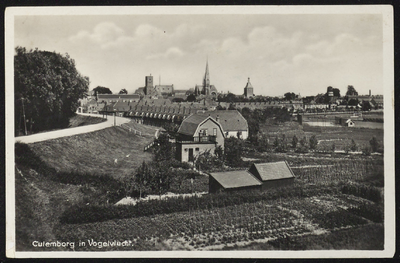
{"x":38,"y":137}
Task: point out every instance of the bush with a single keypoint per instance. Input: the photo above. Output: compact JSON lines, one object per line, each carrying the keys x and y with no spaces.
{"x":353,"y":146}
{"x":372,"y":212}
{"x":313,"y":142}
{"x":374,"y":144}
{"x":368,"y":192}
{"x":366,"y":150}
{"x":337,"y":219}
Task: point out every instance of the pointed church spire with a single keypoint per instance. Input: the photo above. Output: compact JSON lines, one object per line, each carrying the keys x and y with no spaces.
{"x":206,"y":80}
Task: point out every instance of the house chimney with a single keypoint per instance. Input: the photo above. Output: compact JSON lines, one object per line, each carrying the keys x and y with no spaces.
{"x":370,"y":93}
{"x":217,"y":119}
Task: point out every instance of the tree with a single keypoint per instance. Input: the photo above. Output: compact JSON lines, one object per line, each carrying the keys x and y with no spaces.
{"x":161,"y":177}
{"x":233,"y":151}
{"x":47,"y":87}
{"x":374,"y":144}
{"x":290,"y":96}
{"x":353,"y":146}
{"x":366,"y":105}
{"x":353,"y":102}
{"x":219,"y":153}
{"x":313,"y":142}
{"x":123,"y":91}
{"x":351,"y":91}
{"x":142,"y":178}
{"x":333,"y":147}
{"x":294,"y":141}
{"x":191,"y":98}
{"x":101,"y":90}
{"x":163,"y":148}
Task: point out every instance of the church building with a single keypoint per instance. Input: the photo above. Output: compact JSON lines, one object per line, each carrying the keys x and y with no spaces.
{"x":206,"y":89}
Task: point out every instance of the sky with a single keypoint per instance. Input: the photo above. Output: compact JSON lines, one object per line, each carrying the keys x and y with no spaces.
{"x":300,"y":53}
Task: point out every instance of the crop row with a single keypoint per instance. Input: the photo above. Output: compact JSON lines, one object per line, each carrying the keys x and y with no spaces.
{"x":96,"y":213}
{"x":335,"y":173}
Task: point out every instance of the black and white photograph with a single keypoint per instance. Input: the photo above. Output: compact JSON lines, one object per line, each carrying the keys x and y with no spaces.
{"x":200,"y":131}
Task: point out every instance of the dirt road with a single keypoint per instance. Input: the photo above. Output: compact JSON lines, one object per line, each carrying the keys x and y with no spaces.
{"x":72,"y":131}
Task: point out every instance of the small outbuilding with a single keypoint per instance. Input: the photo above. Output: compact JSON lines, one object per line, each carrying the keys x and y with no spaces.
{"x":233,"y":180}
{"x":272,"y":175}
{"x":260,"y":176}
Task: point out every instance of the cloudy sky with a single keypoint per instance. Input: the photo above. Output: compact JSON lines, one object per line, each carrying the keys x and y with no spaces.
{"x":279,"y":52}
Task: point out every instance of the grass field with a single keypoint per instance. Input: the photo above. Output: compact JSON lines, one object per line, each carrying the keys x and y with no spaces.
{"x":113,"y":151}
{"x":54,"y":175}
{"x":82,"y":120}
{"x":325,"y":135}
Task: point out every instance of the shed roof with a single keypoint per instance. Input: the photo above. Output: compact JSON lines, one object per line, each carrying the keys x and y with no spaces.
{"x":273,"y":171}
{"x":235,"y":179}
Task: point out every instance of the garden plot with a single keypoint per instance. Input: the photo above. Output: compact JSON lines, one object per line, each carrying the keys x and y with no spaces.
{"x":219,"y":228}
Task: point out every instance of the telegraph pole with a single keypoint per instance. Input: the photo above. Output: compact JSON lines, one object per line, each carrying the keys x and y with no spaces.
{"x":23,"y":110}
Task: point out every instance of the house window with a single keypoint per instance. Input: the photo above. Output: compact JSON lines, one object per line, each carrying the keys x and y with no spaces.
{"x":197,"y":149}
{"x":215,"y":131}
{"x":203,"y":132}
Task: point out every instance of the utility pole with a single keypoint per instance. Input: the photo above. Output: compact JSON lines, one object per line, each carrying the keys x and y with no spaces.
{"x":115,"y":119}
{"x":23,"y":110}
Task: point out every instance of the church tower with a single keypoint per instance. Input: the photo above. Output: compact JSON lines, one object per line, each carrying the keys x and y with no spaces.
{"x":248,"y":90}
{"x":206,"y":81}
{"x":149,"y":88}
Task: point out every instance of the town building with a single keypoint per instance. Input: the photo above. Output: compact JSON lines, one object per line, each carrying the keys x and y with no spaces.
{"x":260,"y":177}
{"x":248,"y":90}
{"x":196,"y":135}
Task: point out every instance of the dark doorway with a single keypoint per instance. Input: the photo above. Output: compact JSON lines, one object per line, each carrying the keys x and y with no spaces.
{"x":191,"y":155}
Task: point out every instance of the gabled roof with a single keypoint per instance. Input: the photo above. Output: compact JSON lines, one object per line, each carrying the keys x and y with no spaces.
{"x":192,"y":122}
{"x":272,"y":171}
{"x":235,"y":179}
{"x":231,"y":120}
{"x":118,"y":96}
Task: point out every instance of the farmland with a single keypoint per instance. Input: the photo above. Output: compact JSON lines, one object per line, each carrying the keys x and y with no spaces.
{"x":62,"y":187}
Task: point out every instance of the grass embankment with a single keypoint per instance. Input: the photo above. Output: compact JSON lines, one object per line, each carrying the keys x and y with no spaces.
{"x":82,"y":120}
{"x":113,"y":151}
{"x":53,"y":175}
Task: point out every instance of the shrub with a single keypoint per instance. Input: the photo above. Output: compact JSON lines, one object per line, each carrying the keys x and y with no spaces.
{"x":353,"y":146}
{"x":294,"y":141}
{"x":368,"y":192}
{"x":313,"y":142}
{"x":372,"y":212}
{"x":333,"y":147}
{"x":374,"y":144}
{"x":366,"y":150}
